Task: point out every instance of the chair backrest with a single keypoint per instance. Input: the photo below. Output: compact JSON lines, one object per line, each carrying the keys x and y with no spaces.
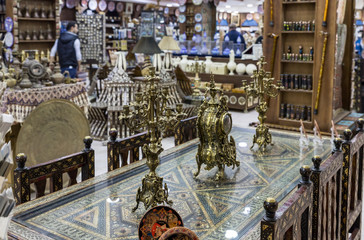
{"x":326,"y":179}
{"x":294,"y":218}
{"x":183,"y":81}
{"x":186,"y":130}
{"x":120,"y":150}
{"x":352,"y":183}
{"x":54,"y":169}
{"x":337,"y":193}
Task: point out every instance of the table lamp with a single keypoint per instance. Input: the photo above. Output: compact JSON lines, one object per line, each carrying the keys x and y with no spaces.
{"x":168,"y":44}
{"x":148,"y":46}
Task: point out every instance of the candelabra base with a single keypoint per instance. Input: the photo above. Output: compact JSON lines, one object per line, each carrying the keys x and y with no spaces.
{"x":262,"y":137}
{"x":152,"y":192}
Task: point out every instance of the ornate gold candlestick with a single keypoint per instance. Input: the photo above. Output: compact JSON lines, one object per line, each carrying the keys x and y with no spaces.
{"x":197,"y":68}
{"x":150,"y":111}
{"x":262,"y":87}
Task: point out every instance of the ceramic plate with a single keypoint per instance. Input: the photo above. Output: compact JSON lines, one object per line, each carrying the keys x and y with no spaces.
{"x":178,"y":233}
{"x":198,"y":27}
{"x":166,"y":10}
{"x":119,"y":7}
{"x":92,"y":4}
{"x":83,"y":3}
{"x":181,"y":18}
{"x":9,"y":39}
{"x":182,"y":2}
{"x":102,"y":5}
{"x":70,"y":3}
{"x":182,"y":8}
{"x":111,"y":6}
{"x":197,"y":2}
{"x":157,"y":221}
{"x":9,"y":24}
{"x":198,"y":17}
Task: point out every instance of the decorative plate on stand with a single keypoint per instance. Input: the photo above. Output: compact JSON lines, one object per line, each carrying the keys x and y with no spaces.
{"x":119,"y":7}
{"x":198,"y":27}
{"x":92,"y":5}
{"x":181,"y":18}
{"x":198,"y":17}
{"x":157,"y":221}
{"x":111,"y":6}
{"x":177,"y":233}
{"x":176,"y":12}
{"x":84,"y":3}
{"x":9,"y":24}
{"x":182,"y":8}
{"x":9,"y":39}
{"x":197,"y":2}
{"x":70,"y":3}
{"x":102,"y":5}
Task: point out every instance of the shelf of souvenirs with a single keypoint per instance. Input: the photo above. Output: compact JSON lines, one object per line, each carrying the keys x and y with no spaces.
{"x":297,"y":2}
{"x":290,"y":112}
{"x":37,"y":19}
{"x":37,"y":41}
{"x":294,"y":120}
{"x":296,"y":90}
{"x":294,"y":61}
{"x":307,"y":32}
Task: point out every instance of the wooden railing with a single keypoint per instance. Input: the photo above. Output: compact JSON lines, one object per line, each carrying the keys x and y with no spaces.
{"x":38,"y":174}
{"x":186,"y":130}
{"x":335,"y":199}
{"x":120,"y":150}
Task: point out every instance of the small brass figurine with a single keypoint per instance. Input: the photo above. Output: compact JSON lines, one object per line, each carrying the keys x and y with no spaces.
{"x":262,"y":86}
{"x":150,"y":111}
{"x":214,"y":123}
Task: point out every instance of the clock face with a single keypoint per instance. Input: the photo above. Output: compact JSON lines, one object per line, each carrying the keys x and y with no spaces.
{"x":226,"y":122}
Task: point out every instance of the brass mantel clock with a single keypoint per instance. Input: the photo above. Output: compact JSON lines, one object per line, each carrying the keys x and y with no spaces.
{"x":214,"y":123}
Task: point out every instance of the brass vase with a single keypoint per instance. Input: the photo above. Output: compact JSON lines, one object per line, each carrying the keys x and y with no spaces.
{"x":25,"y":82}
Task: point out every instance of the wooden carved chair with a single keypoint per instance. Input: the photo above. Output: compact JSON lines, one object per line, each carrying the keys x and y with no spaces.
{"x":183,"y":82}
{"x":186,"y":130}
{"x":293,"y":219}
{"x":38,"y":174}
{"x":120,"y":150}
{"x":352,"y":183}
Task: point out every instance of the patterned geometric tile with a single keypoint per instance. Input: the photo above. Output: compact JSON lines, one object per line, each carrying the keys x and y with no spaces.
{"x":210,"y":208}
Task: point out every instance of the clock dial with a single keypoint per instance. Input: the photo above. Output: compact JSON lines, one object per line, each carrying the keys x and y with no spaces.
{"x":227,"y":123}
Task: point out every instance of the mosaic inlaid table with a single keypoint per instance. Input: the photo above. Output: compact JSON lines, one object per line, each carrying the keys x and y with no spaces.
{"x":100,"y":208}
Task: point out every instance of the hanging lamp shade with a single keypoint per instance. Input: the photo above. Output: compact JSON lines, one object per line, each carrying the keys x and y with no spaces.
{"x":147,"y":45}
{"x":168,"y":44}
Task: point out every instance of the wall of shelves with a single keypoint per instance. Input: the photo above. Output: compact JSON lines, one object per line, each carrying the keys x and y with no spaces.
{"x":43,"y":31}
{"x":302,"y":11}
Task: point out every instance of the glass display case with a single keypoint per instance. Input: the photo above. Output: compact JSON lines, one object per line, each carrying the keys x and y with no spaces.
{"x":152,"y":24}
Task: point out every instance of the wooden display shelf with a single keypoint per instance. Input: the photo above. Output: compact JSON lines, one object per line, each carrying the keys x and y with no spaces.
{"x":3,"y":31}
{"x":289,"y":61}
{"x":37,"y":19}
{"x":300,"y":2}
{"x":294,"y":120}
{"x":283,"y":31}
{"x":36,"y":41}
{"x":296,"y":90}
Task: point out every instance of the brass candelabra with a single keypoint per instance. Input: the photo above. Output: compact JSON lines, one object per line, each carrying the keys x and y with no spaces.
{"x":262,"y":87}
{"x":197,"y":68}
{"x":150,"y":112}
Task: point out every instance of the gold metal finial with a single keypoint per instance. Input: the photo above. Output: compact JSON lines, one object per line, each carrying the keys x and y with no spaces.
{"x":262,"y":87}
{"x":270,"y":200}
{"x":306,"y":166}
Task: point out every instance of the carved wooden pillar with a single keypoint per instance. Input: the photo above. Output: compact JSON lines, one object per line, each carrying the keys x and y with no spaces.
{"x":21,"y":180}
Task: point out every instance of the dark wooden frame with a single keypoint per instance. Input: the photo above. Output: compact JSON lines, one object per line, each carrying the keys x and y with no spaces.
{"x":38,"y":174}
{"x":118,"y":150}
{"x":336,"y":201}
{"x":185,"y":131}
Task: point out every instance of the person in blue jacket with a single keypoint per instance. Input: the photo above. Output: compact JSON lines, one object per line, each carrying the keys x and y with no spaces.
{"x":234,"y":35}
